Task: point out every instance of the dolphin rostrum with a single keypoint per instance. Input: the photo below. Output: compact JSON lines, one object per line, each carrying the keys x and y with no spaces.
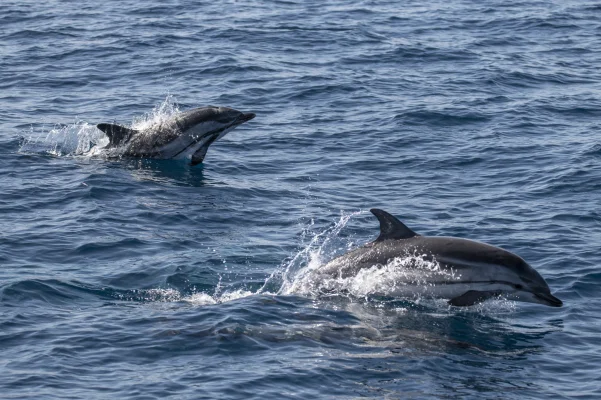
{"x":466,"y":272}
{"x":186,"y":135}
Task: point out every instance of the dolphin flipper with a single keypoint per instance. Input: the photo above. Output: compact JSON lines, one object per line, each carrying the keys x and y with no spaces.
{"x":200,"y":154}
{"x":472,"y":297}
{"x":391,"y":227}
{"x":116,"y":133}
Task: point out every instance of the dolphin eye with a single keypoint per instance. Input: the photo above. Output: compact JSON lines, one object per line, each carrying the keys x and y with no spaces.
{"x":518,"y":286}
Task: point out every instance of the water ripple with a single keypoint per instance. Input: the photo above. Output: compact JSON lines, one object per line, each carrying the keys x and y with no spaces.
{"x":150,"y":279}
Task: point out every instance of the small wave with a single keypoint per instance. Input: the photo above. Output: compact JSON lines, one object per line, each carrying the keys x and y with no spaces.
{"x":51,"y":291}
{"x":594,"y":150}
{"x":441,"y":118}
{"x":48,"y":291}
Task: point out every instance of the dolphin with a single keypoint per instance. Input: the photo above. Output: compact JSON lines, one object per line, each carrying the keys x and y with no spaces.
{"x":464,"y":271}
{"x":186,"y":135}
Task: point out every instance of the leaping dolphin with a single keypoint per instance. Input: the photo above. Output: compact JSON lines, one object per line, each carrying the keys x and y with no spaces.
{"x":186,"y":135}
{"x":467,"y":272}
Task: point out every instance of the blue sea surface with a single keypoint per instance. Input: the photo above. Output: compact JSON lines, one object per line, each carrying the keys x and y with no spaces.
{"x":150,"y":279}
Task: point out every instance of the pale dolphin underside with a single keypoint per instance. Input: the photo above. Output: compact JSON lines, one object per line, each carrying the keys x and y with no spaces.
{"x":186,"y":135}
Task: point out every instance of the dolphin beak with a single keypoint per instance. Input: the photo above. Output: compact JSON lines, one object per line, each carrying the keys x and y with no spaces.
{"x":246,"y":117}
{"x":548,"y":299}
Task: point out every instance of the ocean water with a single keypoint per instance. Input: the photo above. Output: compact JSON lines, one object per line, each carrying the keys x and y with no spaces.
{"x":148,"y":279}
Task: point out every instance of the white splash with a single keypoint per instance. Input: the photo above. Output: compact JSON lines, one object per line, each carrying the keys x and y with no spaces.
{"x":202,"y":299}
{"x":83,"y":139}
{"x":159,"y":114}
{"x":407,"y":276}
{"x":173,"y":295}
{"x":321,"y":245}
{"x":76,"y":139}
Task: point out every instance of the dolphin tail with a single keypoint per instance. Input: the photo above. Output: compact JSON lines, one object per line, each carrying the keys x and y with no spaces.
{"x":117,"y":134}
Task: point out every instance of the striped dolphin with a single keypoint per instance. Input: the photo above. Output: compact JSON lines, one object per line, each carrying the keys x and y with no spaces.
{"x":466,"y":272}
{"x":186,"y":135}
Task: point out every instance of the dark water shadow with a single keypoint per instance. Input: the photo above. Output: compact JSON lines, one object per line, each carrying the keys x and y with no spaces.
{"x":173,"y":172}
{"x":405,"y":326}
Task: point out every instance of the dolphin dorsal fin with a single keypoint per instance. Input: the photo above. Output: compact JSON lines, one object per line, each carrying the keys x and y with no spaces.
{"x":391,"y":227}
{"x":116,"y":133}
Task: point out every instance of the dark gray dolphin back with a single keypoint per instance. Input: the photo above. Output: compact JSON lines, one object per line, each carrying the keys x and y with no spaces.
{"x":191,"y":118}
{"x":391,"y":227}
